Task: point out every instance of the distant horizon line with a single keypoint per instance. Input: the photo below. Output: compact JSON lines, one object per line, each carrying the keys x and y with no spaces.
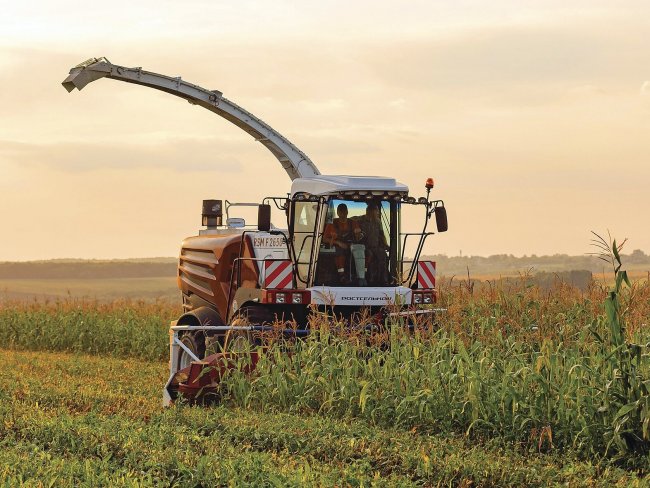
{"x":175,"y":258}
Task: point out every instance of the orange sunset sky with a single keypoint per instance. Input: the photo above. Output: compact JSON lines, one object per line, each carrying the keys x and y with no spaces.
{"x":532,"y":117}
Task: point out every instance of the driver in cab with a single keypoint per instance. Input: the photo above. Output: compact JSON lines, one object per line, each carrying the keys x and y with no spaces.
{"x":376,"y":246}
{"x":339,"y":234}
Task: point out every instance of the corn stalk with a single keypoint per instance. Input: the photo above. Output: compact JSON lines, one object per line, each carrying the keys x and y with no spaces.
{"x":626,"y":391}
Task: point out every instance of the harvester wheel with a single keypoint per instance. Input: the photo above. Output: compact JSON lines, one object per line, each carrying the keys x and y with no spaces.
{"x":238,"y":341}
{"x":195,"y":343}
{"x":255,"y":315}
{"x":248,"y":315}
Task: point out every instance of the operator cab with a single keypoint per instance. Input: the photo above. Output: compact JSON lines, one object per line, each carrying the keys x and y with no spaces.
{"x":345,"y":230}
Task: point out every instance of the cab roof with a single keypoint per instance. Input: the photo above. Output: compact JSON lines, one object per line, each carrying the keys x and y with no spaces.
{"x":337,"y":184}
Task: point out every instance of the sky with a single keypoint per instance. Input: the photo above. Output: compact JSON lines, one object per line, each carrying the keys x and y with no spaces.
{"x":533,"y":118}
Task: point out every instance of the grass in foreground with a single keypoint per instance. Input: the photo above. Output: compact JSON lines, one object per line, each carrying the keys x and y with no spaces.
{"x":77,"y":420}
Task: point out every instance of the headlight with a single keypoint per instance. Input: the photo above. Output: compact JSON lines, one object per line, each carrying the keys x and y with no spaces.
{"x":428,"y":298}
{"x":280,"y":298}
{"x":417,"y":298}
{"x":296,"y":298}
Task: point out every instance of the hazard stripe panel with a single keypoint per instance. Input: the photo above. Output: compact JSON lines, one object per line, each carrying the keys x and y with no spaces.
{"x":426,"y":274}
{"x":278,"y":274}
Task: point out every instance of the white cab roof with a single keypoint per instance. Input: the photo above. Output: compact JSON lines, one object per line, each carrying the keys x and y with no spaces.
{"x":334,"y":184}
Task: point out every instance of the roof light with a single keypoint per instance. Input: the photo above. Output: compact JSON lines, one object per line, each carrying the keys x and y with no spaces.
{"x":429,"y":184}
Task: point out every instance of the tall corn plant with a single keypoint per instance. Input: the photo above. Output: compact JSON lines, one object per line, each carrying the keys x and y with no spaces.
{"x":625,"y":396}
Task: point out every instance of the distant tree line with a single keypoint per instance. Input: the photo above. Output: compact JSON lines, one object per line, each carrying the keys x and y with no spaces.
{"x":509,"y":264}
{"x":505,"y":264}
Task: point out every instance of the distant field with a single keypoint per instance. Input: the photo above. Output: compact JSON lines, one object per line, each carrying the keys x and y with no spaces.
{"x":606,"y":278}
{"x":164,"y":288}
{"x":107,"y":289}
{"x":634,"y":275}
{"x":154,"y":278}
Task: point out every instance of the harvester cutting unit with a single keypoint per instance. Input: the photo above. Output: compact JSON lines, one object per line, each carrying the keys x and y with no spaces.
{"x":341,"y":251}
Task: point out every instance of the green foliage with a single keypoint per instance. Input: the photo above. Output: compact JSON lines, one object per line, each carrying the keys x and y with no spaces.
{"x":106,"y":428}
{"x":120,"y":329}
{"x":626,"y":412}
{"x":565,"y":385}
{"x":550,"y":398}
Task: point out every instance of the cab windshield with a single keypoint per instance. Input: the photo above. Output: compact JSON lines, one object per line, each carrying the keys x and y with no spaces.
{"x":359,"y":244}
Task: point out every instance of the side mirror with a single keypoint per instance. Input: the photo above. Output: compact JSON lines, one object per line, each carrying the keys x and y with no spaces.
{"x":264,"y":217}
{"x":441,"y":219}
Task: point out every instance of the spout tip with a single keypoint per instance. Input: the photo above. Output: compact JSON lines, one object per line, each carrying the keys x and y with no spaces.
{"x":86,"y":72}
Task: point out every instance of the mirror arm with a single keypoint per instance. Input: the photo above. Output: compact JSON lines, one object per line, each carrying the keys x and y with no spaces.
{"x":432,"y":207}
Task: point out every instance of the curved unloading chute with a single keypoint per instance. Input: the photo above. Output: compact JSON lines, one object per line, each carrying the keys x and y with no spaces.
{"x":293,"y":160}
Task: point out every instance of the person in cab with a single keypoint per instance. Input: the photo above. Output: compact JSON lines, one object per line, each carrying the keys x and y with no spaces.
{"x":376,"y":246}
{"x":339,"y":235}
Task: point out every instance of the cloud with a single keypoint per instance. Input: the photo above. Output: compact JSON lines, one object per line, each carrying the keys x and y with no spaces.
{"x":527,"y":64}
{"x":326,"y":105}
{"x":398,"y":103}
{"x":587,"y":90}
{"x":645,"y":89}
{"x":179,"y":155}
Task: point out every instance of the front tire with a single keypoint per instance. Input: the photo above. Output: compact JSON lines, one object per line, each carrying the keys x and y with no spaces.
{"x":254,"y":315}
{"x":238,"y":341}
{"x":195,"y":342}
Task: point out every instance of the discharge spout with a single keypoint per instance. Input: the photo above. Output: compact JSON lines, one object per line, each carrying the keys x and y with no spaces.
{"x":294,"y":161}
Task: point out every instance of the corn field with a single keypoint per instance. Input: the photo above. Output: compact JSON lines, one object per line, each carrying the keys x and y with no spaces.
{"x":562,"y":372}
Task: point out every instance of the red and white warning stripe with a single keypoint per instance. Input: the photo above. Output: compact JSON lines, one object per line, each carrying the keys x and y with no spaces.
{"x":426,"y":274}
{"x":278,"y":274}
